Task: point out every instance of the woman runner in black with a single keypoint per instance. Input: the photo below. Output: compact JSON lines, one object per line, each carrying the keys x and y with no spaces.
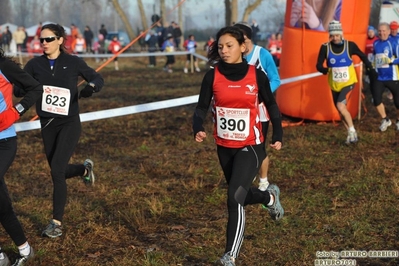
{"x":58,"y":110}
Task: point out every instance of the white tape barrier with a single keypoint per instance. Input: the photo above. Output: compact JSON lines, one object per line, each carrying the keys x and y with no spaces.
{"x":307,"y":76}
{"x":158,"y":53}
{"x":24,"y":126}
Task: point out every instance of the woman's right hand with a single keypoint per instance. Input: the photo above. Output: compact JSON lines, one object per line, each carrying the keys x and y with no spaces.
{"x":296,"y":12}
{"x":200,"y":136}
{"x":309,"y":16}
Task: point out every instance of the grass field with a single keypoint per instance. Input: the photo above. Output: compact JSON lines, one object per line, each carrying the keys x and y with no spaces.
{"x":160,"y":197}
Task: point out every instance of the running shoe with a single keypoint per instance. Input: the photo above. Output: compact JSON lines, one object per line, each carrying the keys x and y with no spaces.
{"x":276,"y":211}
{"x":385,"y":123}
{"x":226,"y":260}
{"x":89,"y":178}
{"x":352,"y":137}
{"x":4,"y":261}
{"x":22,"y":260}
{"x":53,"y":230}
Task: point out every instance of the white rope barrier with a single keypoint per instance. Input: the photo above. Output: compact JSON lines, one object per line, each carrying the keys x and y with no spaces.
{"x":103,"y":114}
{"x":140,"y":108}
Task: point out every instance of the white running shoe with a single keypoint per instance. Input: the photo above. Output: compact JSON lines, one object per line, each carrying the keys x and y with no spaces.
{"x":89,"y":178}
{"x":352,"y":137}
{"x":385,"y":124}
{"x":226,"y":260}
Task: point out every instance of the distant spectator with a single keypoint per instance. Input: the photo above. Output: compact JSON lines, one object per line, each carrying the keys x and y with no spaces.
{"x":152,"y":41}
{"x":35,"y":46}
{"x":159,"y":29}
{"x":19,"y":37}
{"x":103,"y":31}
{"x":74,"y":31}
{"x":279,"y":41}
{"x":101,"y":39}
{"x":25,"y":44}
{"x":371,"y":38}
{"x":78,"y":45}
{"x":274,"y":46}
{"x":208,"y":43}
{"x":393,"y":26}
{"x":96,"y":48}
{"x":190,"y":45}
{"x":369,"y":49}
{"x":39,"y":29}
{"x":176,"y":34}
{"x":142,"y":41}
{"x":168,"y":47}
{"x":6,"y":40}
{"x":88,"y":35}
{"x":166,"y":31}
{"x":255,"y":31}
{"x":114,"y":47}
{"x":101,"y":45}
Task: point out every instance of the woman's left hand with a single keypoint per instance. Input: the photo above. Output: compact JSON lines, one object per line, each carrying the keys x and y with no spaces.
{"x":277,"y":145}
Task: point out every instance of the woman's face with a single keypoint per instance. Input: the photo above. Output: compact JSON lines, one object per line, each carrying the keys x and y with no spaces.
{"x":230,"y":50}
{"x":51,"y":43}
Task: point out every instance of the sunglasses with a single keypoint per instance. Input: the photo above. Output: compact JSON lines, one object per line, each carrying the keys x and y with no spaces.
{"x":48,"y":39}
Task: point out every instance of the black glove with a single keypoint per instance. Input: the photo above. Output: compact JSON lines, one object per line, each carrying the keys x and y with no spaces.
{"x":372,"y":73}
{"x":325,"y":71}
{"x":86,"y":91}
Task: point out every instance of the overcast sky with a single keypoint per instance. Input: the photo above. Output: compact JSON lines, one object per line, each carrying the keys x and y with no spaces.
{"x":206,"y":13}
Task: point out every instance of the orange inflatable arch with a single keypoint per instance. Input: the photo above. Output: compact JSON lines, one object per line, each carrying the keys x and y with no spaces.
{"x":311,"y":98}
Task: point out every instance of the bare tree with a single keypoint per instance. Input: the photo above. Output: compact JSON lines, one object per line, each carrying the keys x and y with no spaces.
{"x":23,"y":9}
{"x":275,"y":19}
{"x":180,"y":17}
{"x":227,"y":6}
{"x":375,"y":12}
{"x":5,"y":11}
{"x":250,"y":7}
{"x":163,"y":11}
{"x":234,"y":11}
{"x":231,"y":7}
{"x":142,"y":14}
{"x":124,"y":19}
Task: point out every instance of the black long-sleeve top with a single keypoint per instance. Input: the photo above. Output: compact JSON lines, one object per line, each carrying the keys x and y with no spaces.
{"x":16,"y":76}
{"x":235,"y":72}
{"x":65,"y":74}
{"x":338,"y":48}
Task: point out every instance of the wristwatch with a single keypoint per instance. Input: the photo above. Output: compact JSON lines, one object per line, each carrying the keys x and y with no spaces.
{"x":20,"y":109}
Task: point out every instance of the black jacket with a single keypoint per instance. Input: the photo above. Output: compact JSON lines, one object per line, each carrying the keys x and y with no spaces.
{"x":16,"y":76}
{"x":65,"y":74}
